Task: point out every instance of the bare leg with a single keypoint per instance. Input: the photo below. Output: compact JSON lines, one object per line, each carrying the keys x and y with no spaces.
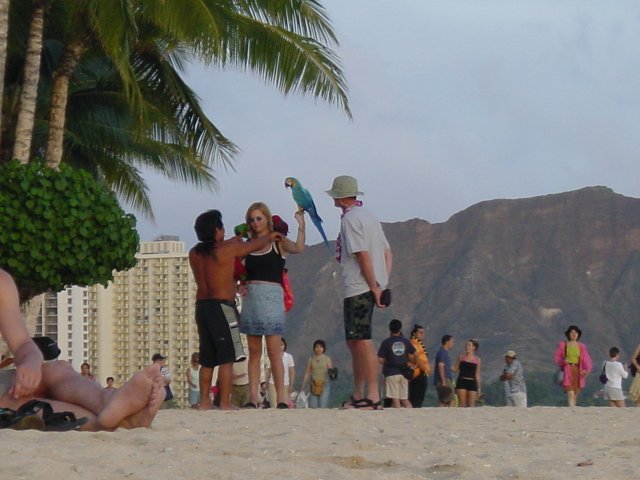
{"x":225,"y":376}
{"x":572,"y":398}
{"x":471,"y":398}
{"x":406,"y":403}
{"x":395,"y":403}
{"x":462,"y":397}
{"x":61,"y":382}
{"x":365,"y":363}
{"x":274,"y":350}
{"x":358,"y":370}
{"x":205,"y":379}
{"x":255,"y":353}
{"x":136,"y":403}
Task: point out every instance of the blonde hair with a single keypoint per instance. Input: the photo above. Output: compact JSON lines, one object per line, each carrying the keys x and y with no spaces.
{"x":265,"y":211}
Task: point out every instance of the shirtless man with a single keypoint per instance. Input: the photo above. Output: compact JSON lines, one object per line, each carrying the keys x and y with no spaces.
{"x":212,"y":261}
{"x":56,"y":382}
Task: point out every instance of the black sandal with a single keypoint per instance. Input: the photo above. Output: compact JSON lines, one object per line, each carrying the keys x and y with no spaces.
{"x":53,"y":421}
{"x":352,"y":402}
{"x":282,"y":406}
{"x":250,"y":405}
{"x":364,"y":404}
{"x":20,"y":420}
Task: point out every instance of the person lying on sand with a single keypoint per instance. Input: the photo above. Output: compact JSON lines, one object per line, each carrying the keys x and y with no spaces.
{"x":133,"y":405}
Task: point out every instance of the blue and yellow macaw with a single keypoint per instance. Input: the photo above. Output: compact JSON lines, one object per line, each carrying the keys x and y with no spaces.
{"x":303,"y":199}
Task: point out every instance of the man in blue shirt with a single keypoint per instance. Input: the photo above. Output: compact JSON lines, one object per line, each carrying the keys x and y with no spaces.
{"x":443,"y":377}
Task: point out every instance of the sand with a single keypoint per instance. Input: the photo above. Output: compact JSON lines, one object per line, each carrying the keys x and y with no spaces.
{"x":487,"y":442}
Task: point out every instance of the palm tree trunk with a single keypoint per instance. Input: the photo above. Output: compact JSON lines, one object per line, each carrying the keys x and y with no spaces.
{"x":29,"y":93}
{"x":4,"y":30}
{"x":59,"y":96}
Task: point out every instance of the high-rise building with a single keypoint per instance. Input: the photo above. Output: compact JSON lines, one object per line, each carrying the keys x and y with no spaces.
{"x":64,"y":317}
{"x":148,"y":309}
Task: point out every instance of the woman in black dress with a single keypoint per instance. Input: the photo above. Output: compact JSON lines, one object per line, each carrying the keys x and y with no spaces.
{"x":468,"y":368}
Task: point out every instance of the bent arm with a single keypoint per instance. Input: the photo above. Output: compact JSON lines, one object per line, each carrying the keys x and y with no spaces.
{"x":186,"y":373}
{"x":634,"y":357}
{"x":441,"y":372}
{"x":421,"y":361}
{"x":559,"y":355}
{"x":388,"y":260}
{"x":456,"y":366}
{"x":366,"y":267}
{"x":297,"y":246}
{"x":585,"y":359}
{"x":26,"y":355}
{"x":623,"y":371}
{"x":305,"y":376}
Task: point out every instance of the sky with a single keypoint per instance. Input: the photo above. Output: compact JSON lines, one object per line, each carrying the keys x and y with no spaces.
{"x":454,"y":103}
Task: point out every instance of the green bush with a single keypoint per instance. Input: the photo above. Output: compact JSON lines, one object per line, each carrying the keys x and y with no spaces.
{"x":60,"y":228}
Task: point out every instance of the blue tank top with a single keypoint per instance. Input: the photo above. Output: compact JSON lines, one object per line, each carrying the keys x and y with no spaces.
{"x":265,"y":267}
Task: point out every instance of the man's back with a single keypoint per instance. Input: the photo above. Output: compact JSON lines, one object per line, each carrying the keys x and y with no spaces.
{"x":395,"y":350}
{"x":361,"y":231}
{"x":213,"y":272}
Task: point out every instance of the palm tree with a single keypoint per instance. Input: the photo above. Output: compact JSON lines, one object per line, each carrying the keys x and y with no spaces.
{"x":134,"y":55}
{"x":4,"y":31}
{"x":275,"y":38}
{"x":29,"y":90}
{"x":174,"y":137}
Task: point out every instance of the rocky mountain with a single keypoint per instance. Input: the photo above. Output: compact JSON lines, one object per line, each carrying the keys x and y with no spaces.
{"x":511,"y":273}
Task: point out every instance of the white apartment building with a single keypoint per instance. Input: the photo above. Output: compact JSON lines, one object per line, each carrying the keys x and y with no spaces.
{"x":65,"y":318}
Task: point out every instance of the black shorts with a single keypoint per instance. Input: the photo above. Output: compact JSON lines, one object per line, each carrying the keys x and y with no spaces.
{"x":358,"y":311}
{"x":469,"y":384}
{"x":445,"y":393}
{"x":216,"y":344}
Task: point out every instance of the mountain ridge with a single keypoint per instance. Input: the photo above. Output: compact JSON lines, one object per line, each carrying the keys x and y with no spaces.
{"x":512,"y":273}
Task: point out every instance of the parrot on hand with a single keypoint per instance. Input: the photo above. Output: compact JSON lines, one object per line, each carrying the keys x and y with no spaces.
{"x":303,"y":199}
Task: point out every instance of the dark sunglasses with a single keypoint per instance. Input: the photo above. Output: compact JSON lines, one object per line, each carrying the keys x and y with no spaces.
{"x":255,"y":219}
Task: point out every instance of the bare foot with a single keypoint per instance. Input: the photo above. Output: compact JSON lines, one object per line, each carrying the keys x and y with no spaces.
{"x":136,"y":403}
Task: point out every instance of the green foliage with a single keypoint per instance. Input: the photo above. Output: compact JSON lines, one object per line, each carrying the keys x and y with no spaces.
{"x":59,"y":228}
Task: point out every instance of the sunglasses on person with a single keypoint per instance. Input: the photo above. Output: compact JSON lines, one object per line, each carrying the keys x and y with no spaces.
{"x":255,"y":219}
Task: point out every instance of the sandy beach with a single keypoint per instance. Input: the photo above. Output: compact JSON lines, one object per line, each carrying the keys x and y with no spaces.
{"x":501,"y":443}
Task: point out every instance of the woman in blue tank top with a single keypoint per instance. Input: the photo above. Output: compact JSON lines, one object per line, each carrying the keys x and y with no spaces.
{"x":263,"y":307}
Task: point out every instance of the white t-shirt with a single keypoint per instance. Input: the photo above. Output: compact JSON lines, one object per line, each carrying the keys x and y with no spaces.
{"x":287,"y":361}
{"x":615,"y":373}
{"x":361,"y":231}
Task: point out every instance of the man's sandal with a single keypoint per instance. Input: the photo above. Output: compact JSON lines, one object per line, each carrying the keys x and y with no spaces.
{"x":353,"y":403}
